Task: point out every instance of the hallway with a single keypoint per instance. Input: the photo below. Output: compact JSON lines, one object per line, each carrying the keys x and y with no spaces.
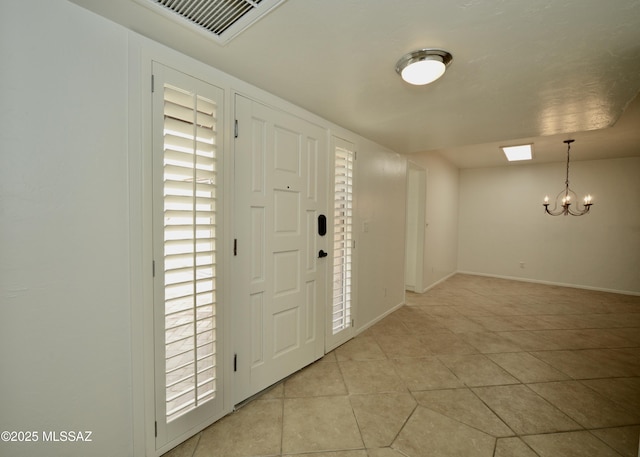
{"x":476,"y":366}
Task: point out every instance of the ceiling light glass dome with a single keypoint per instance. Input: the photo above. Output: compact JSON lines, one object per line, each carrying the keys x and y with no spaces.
{"x":423,"y":66}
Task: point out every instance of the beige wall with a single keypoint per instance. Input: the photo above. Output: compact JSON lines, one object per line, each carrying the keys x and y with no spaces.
{"x":441,"y":234}
{"x":70,"y":204}
{"x":65,"y":336}
{"x":502,"y":223}
{"x":380,"y":229}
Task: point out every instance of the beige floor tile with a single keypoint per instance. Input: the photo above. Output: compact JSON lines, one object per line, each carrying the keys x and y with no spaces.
{"x":539,"y":322}
{"x":620,"y":362}
{"x":442,"y":311}
{"x":447,"y":343}
{"x":524,"y":411}
{"x":254,"y":430}
{"x":357,"y":453}
{"x":397,"y":346}
{"x":632,"y":335}
{"x":489,"y":342}
{"x":389,"y":326}
{"x":624,"y":391}
{"x":428,"y":433}
{"x":314,"y":424}
{"x":583,"y":339}
{"x":608,"y":338}
{"x":576,"y":364}
{"x":625,"y":440}
{"x":530,"y":341}
{"x":185,"y":449}
{"x":418,"y":321}
{"x":365,"y":348}
{"x":371,"y":376}
{"x":463,"y":406}
{"x":384,"y":452}
{"x":460,"y":324}
{"x":513,"y":447}
{"x":405,"y":378}
{"x":497,"y":323}
{"x":626,"y":319}
{"x":425,"y":326}
{"x":273,"y":392}
{"x":526,"y":368}
{"x":481,"y":307}
{"x":571,"y":444}
{"x":565,"y":339}
{"x":381,"y":416}
{"x":585,"y":406}
{"x":426,"y":373}
{"x":331,"y":356}
{"x":318,"y":379}
{"x":477,"y":370}
{"x":409,"y":314}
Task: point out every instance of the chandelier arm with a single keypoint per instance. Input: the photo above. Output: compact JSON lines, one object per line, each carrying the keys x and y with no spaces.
{"x":554,"y":213}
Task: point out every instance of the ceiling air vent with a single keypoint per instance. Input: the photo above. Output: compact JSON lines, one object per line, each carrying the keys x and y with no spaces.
{"x":221,"y":20}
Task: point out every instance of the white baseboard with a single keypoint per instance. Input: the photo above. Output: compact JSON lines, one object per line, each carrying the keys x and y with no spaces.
{"x":378,"y":319}
{"x":549,"y":283}
{"x":431,"y":286}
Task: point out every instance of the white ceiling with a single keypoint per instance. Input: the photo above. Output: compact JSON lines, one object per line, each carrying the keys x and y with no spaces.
{"x":523,"y":71}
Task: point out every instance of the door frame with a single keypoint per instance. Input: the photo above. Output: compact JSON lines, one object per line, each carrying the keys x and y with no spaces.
{"x":142,"y":54}
{"x":199,"y":417}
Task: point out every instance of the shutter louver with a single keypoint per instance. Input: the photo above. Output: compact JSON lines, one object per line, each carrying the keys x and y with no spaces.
{"x":342,"y":239}
{"x":189,"y":184}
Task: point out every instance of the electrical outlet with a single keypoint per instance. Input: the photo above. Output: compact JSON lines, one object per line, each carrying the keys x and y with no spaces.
{"x":521,"y":264}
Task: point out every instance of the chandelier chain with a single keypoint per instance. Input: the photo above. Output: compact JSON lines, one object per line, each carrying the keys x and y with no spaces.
{"x":568,"y":158}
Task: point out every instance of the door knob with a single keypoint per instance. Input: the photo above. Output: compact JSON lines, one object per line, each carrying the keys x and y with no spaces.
{"x":322,"y":254}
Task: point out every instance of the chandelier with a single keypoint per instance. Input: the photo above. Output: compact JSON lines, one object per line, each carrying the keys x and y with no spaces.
{"x":566,"y":197}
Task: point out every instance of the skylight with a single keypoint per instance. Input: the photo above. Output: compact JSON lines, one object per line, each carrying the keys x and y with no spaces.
{"x":517,"y":153}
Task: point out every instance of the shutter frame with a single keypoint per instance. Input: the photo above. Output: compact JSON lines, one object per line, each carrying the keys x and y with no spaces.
{"x":342,"y":239}
{"x":189,"y":249}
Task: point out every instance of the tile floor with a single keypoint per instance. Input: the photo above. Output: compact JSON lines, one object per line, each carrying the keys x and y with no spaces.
{"x":476,"y":366}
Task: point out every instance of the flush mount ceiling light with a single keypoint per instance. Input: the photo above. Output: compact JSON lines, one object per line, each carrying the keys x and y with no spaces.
{"x":516,"y":153}
{"x":423,"y":66}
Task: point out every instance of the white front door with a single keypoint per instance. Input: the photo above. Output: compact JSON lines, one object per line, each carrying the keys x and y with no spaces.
{"x":279,"y":272}
{"x":186,"y":233}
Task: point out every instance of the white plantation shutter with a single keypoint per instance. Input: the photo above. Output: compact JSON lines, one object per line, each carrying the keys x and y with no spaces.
{"x":189,"y":197}
{"x":342,"y":240}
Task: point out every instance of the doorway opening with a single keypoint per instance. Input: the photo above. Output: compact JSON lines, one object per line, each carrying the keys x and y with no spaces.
{"x":416,"y":226}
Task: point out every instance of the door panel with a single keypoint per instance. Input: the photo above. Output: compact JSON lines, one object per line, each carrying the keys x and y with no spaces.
{"x":278,"y":277}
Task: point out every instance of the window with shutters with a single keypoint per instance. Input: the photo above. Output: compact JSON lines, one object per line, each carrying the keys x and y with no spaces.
{"x":189,"y":260}
{"x":342,"y":239}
